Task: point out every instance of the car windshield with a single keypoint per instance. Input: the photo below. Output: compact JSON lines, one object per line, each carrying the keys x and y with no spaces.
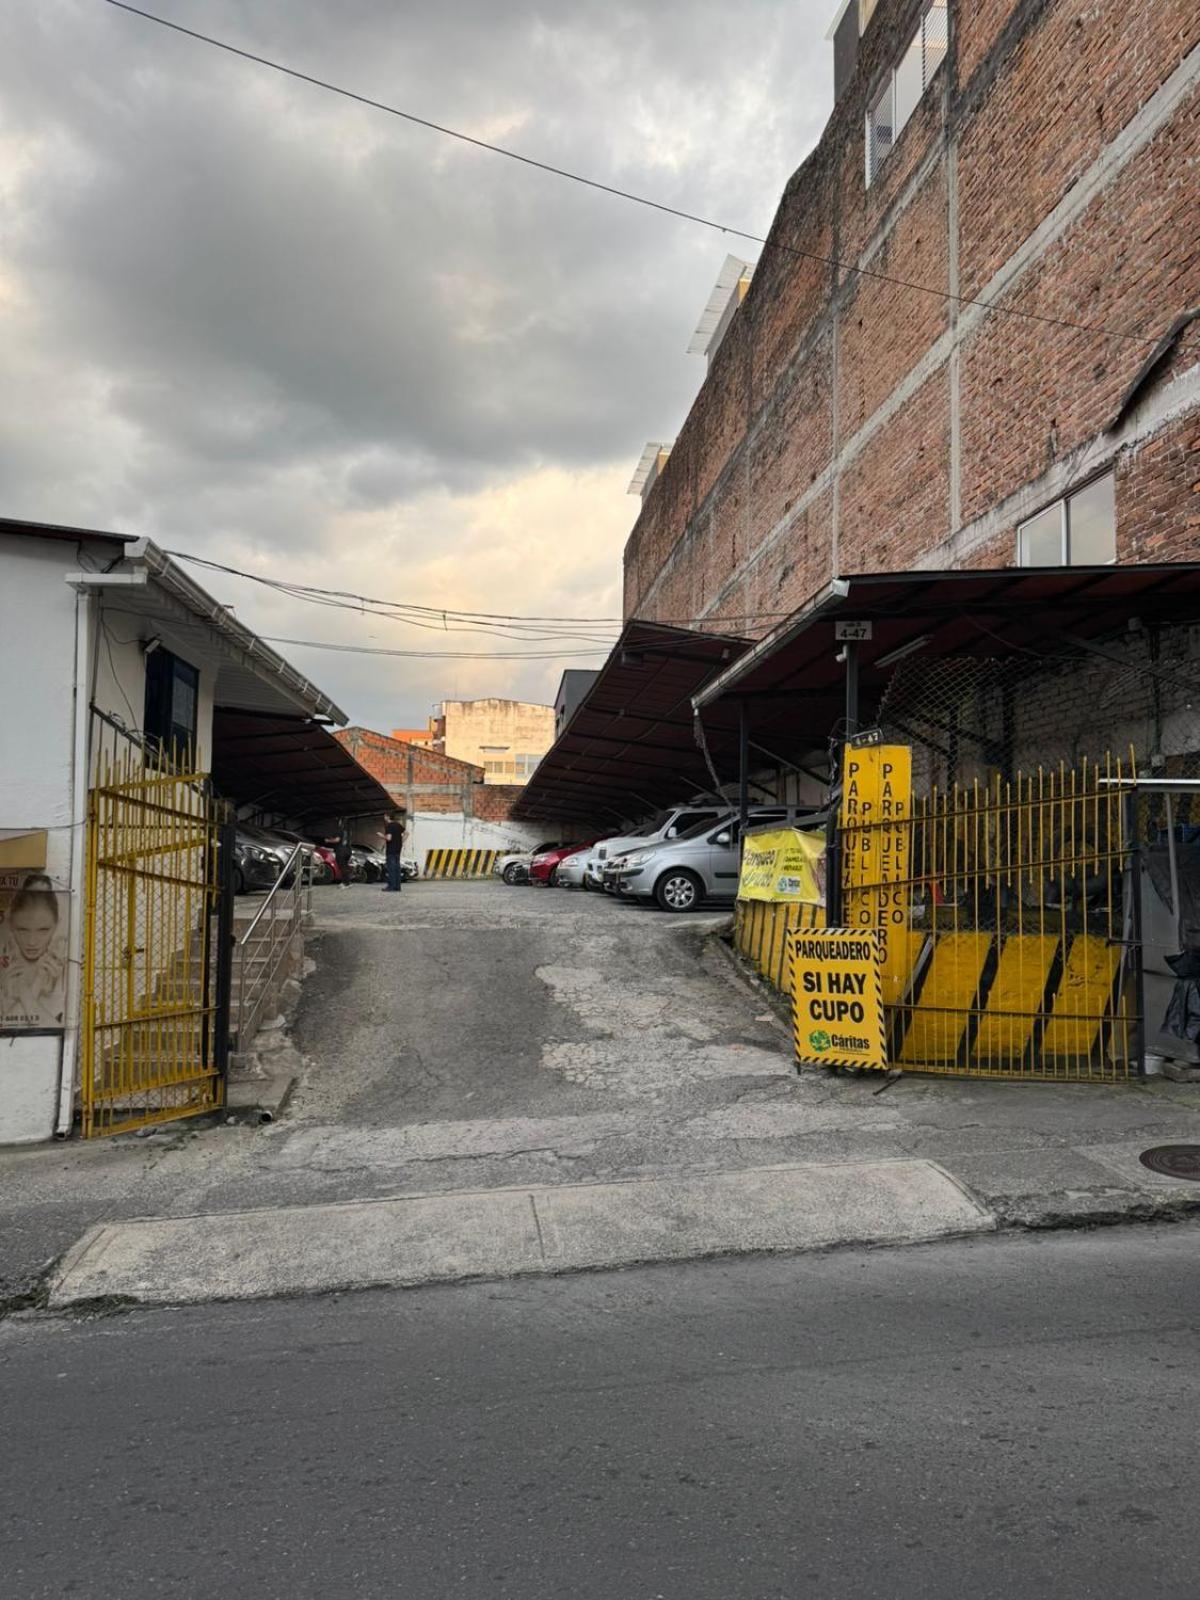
{"x":702,"y":827}
{"x":656,"y":824}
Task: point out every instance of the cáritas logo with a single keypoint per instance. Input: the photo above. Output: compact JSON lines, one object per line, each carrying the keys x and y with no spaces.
{"x":819,"y":1039}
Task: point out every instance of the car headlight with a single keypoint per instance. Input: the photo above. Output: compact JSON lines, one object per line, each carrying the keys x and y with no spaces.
{"x":638,"y":859}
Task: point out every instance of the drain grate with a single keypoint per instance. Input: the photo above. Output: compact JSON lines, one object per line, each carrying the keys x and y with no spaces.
{"x":1173,"y":1160}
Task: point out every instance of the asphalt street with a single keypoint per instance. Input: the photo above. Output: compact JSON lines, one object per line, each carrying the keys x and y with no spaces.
{"x":1002,"y":1418}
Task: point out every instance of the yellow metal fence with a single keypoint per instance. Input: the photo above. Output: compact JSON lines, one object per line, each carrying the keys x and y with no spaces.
{"x":1010,"y":931}
{"x":1008,"y":917}
{"x":148,"y":1021}
{"x":761,"y":930}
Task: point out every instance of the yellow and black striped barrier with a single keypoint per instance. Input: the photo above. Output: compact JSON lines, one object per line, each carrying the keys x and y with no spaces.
{"x":460,"y":863}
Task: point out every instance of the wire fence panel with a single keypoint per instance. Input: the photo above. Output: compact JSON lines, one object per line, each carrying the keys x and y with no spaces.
{"x":148,"y":1024}
{"x":1017,"y":953}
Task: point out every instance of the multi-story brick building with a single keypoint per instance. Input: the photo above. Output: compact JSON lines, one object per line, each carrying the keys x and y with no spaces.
{"x":945,"y":357}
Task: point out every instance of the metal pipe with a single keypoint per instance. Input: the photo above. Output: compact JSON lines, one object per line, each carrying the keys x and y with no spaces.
{"x":743,"y":765}
{"x":85,"y":605}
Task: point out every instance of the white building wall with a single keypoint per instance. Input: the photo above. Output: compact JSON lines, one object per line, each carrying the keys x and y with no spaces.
{"x":453,"y":831}
{"x":37,"y":718}
{"x":38,"y":632}
{"x":120,"y":681}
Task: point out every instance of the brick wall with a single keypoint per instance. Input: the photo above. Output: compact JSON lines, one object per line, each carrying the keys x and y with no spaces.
{"x":426,"y":781}
{"x":849,"y":424}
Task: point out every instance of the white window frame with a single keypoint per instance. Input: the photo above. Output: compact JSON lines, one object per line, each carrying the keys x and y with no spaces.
{"x":1062,"y":506}
{"x":929,"y":48}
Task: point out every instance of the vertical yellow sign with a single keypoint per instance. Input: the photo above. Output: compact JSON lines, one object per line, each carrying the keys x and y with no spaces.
{"x":876,"y":805}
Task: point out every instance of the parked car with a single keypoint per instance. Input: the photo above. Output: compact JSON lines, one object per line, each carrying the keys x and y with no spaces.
{"x":667,"y":824}
{"x":544,"y":866}
{"x":367,"y":866}
{"x":254,"y":865}
{"x":514,"y":867}
{"x":332,"y":873}
{"x":277,"y":843}
{"x":702,"y":864}
{"x":573,"y":872}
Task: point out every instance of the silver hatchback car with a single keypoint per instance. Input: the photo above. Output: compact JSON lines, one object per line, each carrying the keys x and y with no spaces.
{"x":702,"y":864}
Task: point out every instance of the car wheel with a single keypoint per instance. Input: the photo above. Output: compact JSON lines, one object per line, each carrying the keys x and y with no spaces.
{"x":552,"y":880}
{"x":239,"y":881}
{"x":511,"y":874}
{"x":678,"y":891}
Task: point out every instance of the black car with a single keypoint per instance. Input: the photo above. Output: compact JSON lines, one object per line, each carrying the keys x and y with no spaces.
{"x":254,"y":866}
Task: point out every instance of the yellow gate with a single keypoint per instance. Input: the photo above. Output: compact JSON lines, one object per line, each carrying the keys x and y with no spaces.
{"x":1009,"y":910}
{"x":148,"y":1036}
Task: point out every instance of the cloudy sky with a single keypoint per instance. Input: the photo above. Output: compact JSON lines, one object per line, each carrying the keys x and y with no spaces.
{"x":257,"y":322}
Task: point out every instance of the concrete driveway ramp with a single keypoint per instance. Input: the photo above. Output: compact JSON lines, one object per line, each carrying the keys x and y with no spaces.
{"x":506,"y":1233}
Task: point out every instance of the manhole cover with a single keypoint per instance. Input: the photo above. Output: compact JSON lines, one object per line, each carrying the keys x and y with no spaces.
{"x":1173,"y":1160}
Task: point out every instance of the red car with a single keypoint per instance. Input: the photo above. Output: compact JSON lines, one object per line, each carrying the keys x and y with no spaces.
{"x":544,"y":868}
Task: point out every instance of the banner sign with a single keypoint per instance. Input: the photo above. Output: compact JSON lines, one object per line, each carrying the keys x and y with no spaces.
{"x":784,"y":864}
{"x":33,"y":954}
{"x":837,"y":998}
{"x":876,"y":805}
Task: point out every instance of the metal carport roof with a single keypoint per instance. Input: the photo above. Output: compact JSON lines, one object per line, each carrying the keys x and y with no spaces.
{"x":795,"y":685}
{"x":291,"y":766}
{"x":631,"y":744}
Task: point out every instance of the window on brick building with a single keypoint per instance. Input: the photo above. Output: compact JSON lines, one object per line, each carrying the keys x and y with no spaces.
{"x":902,"y":88}
{"x":1079,"y":530}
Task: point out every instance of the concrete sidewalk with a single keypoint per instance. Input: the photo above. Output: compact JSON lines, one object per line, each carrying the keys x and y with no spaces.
{"x":542,"y":1042}
{"x":506,"y":1233}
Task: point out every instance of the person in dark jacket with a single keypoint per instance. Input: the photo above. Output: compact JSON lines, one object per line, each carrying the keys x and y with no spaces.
{"x":340,"y":841}
{"x":393,"y":836}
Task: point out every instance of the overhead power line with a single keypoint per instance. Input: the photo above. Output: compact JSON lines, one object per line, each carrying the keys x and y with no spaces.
{"x":395,"y":610}
{"x":1096,"y":329}
{"x":431,"y":655}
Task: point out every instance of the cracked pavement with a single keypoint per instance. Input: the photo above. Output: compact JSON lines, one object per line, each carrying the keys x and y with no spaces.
{"x":469,"y":1035}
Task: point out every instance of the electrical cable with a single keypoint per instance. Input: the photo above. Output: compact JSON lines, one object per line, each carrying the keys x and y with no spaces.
{"x":626,"y":194}
{"x":346,"y":600}
{"x":429,"y":655}
{"x":112,"y":667}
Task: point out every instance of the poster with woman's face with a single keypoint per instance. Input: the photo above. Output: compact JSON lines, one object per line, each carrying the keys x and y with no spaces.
{"x":33,"y":951}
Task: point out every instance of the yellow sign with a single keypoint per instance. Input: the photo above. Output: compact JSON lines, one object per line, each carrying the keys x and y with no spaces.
{"x":876,"y":806}
{"x":784,"y":864}
{"x":837,"y":998}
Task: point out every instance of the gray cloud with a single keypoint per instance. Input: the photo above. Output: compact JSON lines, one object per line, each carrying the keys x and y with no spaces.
{"x":238,"y":311}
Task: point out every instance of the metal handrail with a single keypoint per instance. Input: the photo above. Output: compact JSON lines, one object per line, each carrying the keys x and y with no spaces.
{"x":300,"y":901}
{"x":297,"y":850}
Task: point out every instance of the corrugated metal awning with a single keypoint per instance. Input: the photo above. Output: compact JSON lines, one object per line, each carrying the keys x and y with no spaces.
{"x":631,"y":745}
{"x":795,"y":682}
{"x":291,"y":766}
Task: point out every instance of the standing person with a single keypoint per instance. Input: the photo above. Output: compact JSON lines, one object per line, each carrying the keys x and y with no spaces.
{"x":393,"y":833}
{"x":341,"y":850}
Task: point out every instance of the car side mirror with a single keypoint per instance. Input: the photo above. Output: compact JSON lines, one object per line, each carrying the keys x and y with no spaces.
{"x":724,"y":837}
{"x":671,"y":832}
